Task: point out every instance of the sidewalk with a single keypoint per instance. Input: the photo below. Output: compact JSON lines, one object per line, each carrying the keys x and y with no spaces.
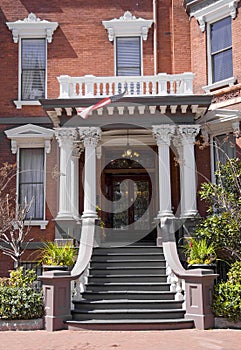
{"x":122,"y":340}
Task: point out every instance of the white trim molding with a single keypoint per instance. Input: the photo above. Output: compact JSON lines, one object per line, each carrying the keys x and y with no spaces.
{"x":127,"y":25}
{"x":215,"y":11}
{"x":30,"y":136}
{"x":30,"y":27}
{"x":33,"y":27}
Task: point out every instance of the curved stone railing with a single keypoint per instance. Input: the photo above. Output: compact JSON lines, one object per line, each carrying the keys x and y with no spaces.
{"x":198,"y":282}
{"x":157,"y":85}
{"x":57,"y":284}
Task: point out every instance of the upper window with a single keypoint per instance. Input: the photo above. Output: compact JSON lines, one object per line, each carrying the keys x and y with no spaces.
{"x":128,"y":56}
{"x":33,"y":69}
{"x":32,"y":34}
{"x":221,"y":50}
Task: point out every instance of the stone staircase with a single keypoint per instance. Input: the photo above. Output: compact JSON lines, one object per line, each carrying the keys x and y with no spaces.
{"x":127,"y":290}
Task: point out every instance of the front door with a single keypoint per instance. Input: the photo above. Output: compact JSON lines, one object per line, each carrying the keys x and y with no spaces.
{"x":131,"y":212}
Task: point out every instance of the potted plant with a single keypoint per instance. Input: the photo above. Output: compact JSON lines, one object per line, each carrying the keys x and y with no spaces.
{"x":199,"y":253}
{"x":58,"y":256}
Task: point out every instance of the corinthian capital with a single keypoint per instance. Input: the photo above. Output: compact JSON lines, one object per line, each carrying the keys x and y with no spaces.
{"x":90,"y":136}
{"x":66,"y":136}
{"x":189,"y":132}
{"x":163,"y":133}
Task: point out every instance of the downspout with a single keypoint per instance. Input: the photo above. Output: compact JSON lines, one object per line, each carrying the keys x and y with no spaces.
{"x":155,"y":35}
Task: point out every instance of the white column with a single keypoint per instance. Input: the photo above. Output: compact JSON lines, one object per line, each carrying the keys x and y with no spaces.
{"x":188,"y":134}
{"x":90,"y":137}
{"x":65,"y":138}
{"x":77,"y":150}
{"x":163,"y":136}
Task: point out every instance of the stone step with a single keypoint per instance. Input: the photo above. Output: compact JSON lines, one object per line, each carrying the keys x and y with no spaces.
{"x":126,"y":256}
{"x":130,"y":249}
{"x":126,"y":278}
{"x":131,"y":325}
{"x":118,"y":314}
{"x":127,"y":263}
{"x":129,"y":295}
{"x":128,"y":287}
{"x":142,"y":270}
{"x":127,"y":304}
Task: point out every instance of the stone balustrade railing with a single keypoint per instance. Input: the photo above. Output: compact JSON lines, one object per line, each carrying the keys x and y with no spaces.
{"x":161,"y":84}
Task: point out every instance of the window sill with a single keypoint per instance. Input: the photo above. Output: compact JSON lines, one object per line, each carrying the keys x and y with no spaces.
{"x":41,"y":223}
{"x":19,"y":103}
{"x":220,"y":84}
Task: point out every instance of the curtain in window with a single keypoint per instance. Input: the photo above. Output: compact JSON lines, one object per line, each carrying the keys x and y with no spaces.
{"x":33,"y":68}
{"x":221,"y":49}
{"x":31,"y":180}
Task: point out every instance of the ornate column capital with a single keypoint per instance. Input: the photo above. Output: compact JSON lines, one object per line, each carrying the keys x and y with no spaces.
{"x":163,"y":133}
{"x":189,"y":132}
{"x":90,"y":136}
{"x":66,"y":136}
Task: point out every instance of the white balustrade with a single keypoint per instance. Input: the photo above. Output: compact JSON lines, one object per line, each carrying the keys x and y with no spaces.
{"x":176,"y":284}
{"x":157,"y":85}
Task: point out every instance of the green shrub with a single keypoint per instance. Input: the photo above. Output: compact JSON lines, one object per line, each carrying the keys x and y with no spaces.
{"x":234,"y":274}
{"x":20,"y":303}
{"x":18,"y":297}
{"x":227,"y":300}
{"x":198,"y":251}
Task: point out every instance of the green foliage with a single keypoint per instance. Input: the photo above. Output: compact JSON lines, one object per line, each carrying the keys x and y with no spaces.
{"x":58,"y":255}
{"x":234,"y":274}
{"x":20,"y":303}
{"x":223,"y":224}
{"x":18,"y":297}
{"x":21,"y":278}
{"x":227,"y":300}
{"x":198,"y":251}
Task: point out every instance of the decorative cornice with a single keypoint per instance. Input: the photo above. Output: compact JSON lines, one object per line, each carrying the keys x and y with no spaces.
{"x":32,"y":27}
{"x":90,"y":136}
{"x":214,"y":11}
{"x":30,"y":135}
{"x":163,"y":134}
{"x":127,"y":25}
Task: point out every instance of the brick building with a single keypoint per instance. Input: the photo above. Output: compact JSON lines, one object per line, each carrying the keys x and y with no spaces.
{"x":136,"y":158}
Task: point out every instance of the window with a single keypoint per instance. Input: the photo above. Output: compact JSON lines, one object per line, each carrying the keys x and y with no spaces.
{"x":33,"y":69}
{"x":221,"y":49}
{"x":128,"y":56}
{"x":31,"y":180}
{"x":32,"y":34}
{"x":31,"y":143}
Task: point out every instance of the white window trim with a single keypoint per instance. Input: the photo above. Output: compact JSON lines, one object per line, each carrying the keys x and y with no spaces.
{"x":31,"y":27}
{"x":128,"y":26}
{"x":31,"y":136}
{"x":216,"y":11}
{"x":219,"y":84}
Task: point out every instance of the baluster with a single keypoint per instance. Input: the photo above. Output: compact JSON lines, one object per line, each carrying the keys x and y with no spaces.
{"x":171,"y":87}
{"x":98,"y":93}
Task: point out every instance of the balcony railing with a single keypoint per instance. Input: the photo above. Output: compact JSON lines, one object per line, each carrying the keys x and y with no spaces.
{"x":158,"y":85}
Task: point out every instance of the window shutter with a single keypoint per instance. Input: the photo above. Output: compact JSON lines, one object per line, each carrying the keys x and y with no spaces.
{"x":33,"y":59}
{"x":128,"y":56}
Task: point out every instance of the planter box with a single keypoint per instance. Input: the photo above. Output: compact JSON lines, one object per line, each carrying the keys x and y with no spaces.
{"x":21,"y":325}
{"x":221,"y":322}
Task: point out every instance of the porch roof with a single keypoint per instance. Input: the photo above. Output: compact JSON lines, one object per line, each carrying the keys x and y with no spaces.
{"x":142,"y":111}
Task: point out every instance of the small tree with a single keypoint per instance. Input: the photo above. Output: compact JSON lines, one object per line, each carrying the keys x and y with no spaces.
{"x":13,"y":231}
{"x":222,"y":226}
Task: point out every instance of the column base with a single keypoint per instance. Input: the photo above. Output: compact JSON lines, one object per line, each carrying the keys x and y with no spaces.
{"x":165,"y":214}
{"x":189,"y":214}
{"x":90,"y":214}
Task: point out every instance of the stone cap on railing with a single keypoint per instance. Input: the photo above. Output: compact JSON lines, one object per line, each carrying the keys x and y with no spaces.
{"x":90,"y":86}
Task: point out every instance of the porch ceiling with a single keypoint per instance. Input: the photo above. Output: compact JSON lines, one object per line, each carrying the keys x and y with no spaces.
{"x":139,"y":111}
